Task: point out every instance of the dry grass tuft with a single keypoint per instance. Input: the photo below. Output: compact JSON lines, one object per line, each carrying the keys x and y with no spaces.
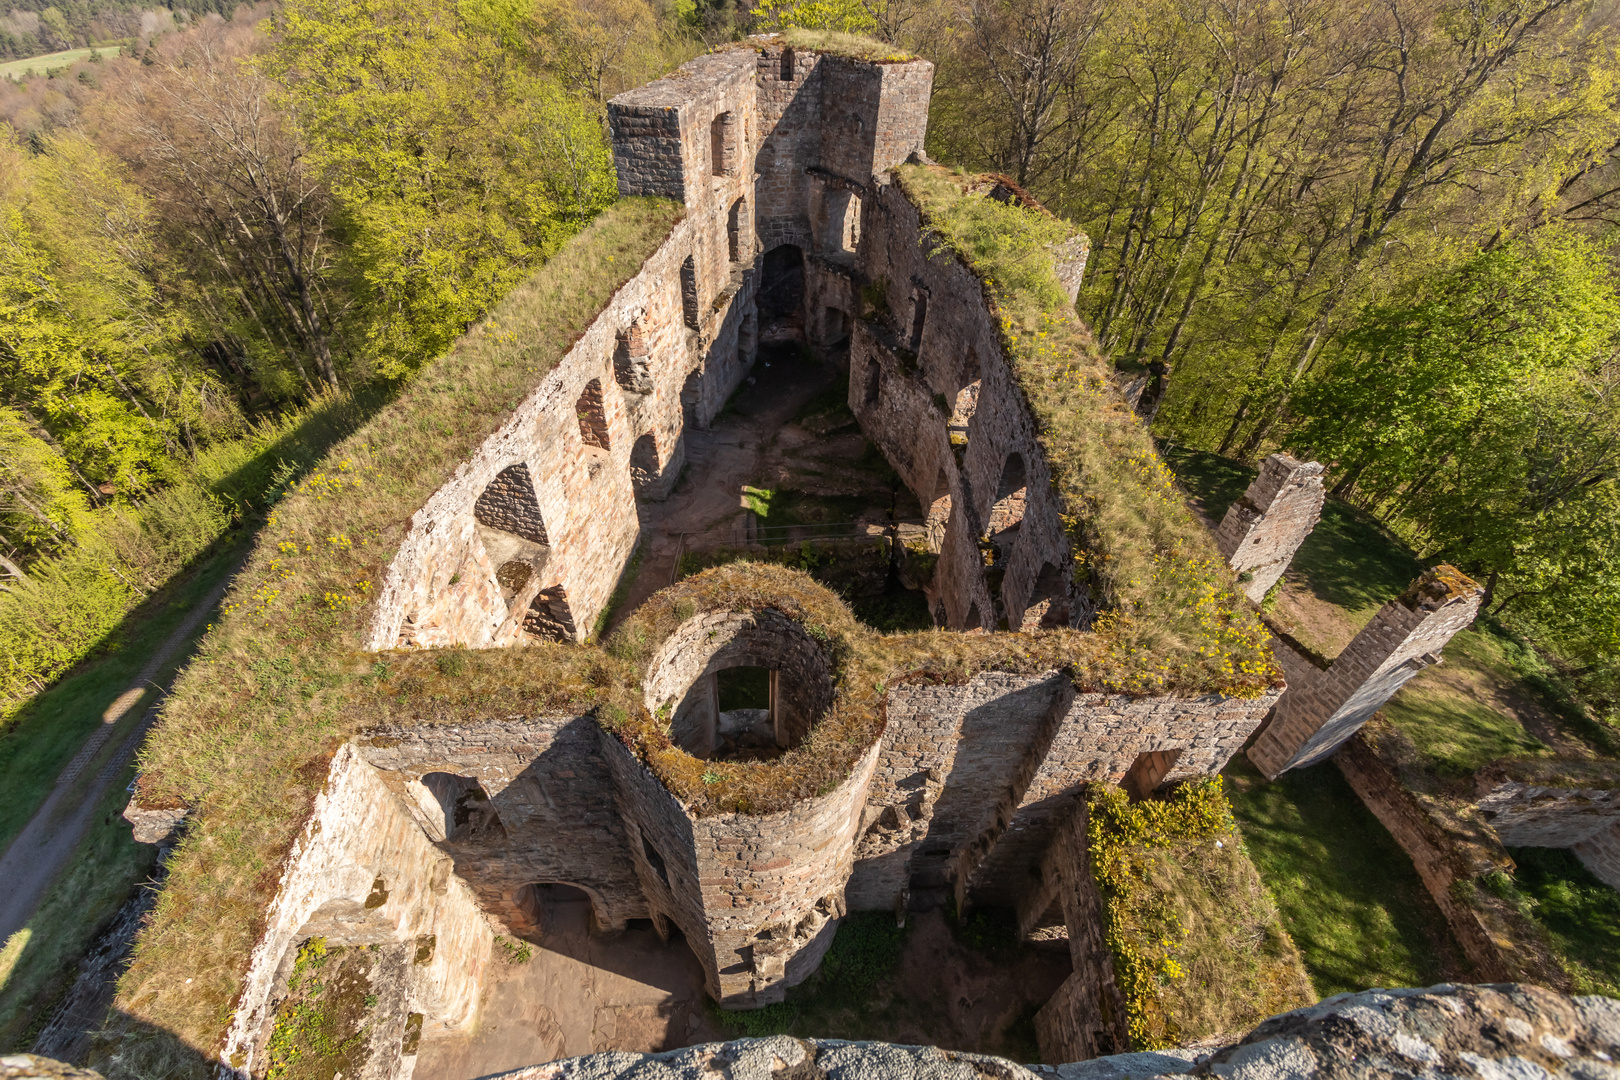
{"x":1240,"y":964}
{"x":247,"y":734}
{"x":1172,"y":598}
{"x":839,"y":43}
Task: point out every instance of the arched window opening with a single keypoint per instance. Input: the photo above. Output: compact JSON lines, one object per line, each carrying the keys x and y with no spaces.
{"x":734,"y":227}
{"x":689,"y":292}
{"x":644,"y":463}
{"x":939,"y":512}
{"x":1008,"y":512}
{"x":1147,"y":773}
{"x":509,"y":504}
{"x":787,"y":65}
{"x":874,"y":382}
{"x":841,"y":228}
{"x":512,"y":530}
{"x":593,"y":428}
{"x":554,"y":908}
{"x":457,"y":808}
{"x":632,"y":360}
{"x":1048,"y":606}
{"x":781,"y":293}
{"x":549,"y":616}
{"x":722,"y":143}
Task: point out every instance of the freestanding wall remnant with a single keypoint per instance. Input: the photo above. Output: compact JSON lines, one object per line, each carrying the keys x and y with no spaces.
{"x":1262,"y":530}
{"x":1319,"y":712}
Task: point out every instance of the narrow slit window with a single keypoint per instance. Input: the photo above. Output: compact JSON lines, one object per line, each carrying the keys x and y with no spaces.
{"x":787,"y":65}
{"x":689,"y":292}
{"x":919,"y":316}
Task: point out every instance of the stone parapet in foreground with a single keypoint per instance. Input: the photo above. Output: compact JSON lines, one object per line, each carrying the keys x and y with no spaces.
{"x":1499,"y":1032}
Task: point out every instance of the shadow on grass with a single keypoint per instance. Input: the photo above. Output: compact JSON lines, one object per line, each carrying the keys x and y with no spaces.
{"x":1349,"y":560}
{"x":1348,"y":894}
{"x":49,"y":730}
{"x":1581,"y":914}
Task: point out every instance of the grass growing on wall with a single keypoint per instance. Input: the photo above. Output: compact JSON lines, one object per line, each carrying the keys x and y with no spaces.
{"x":248,"y":731}
{"x":1199,"y":950}
{"x":1170,"y":595}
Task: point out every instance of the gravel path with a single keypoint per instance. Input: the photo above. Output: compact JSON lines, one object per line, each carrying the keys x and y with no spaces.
{"x":47,"y":843}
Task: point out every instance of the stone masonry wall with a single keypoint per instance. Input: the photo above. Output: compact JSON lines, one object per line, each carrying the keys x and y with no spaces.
{"x":901,"y":397}
{"x":555,"y":818}
{"x":1406,"y":635}
{"x":363,"y":872}
{"x":757,"y":896}
{"x":1263,"y":529}
{"x":719,"y":640}
{"x":1086,"y":1018}
{"x":971,"y":778}
{"x":443,"y":586}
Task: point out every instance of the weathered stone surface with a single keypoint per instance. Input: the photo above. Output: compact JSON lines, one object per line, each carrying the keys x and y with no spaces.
{"x":1263,"y":529}
{"x":1323,"y":709}
{"x":153,"y":825}
{"x":34,"y":1067}
{"x":1494,"y":1032}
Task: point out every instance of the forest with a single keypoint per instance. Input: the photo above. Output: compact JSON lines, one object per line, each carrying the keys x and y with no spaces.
{"x":1380,"y":236}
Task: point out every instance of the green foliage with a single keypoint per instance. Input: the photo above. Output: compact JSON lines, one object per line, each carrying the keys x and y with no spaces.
{"x":460,"y":170}
{"x":92,"y":354}
{"x":322,"y":1026}
{"x":843,"y":16}
{"x":1348,"y":894}
{"x":513,"y":953}
{"x":1483,"y":419}
{"x":1141,"y":927}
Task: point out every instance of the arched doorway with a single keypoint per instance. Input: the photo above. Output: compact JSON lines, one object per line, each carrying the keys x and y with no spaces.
{"x":556,"y":910}
{"x":781,"y":295}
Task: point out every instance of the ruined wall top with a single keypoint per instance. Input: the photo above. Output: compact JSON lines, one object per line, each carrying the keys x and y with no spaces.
{"x":1495,"y":1031}
{"x":707,"y":120}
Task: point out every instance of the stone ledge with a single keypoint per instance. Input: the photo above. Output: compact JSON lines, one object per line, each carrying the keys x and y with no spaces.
{"x":1491,"y":1031}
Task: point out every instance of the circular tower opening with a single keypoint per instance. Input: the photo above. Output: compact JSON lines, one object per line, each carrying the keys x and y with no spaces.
{"x":739,"y":686}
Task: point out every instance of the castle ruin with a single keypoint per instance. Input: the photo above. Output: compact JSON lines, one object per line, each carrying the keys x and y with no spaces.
{"x":880,"y":773}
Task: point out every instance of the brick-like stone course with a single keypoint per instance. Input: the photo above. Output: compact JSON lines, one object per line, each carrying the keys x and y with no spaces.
{"x":1318,"y":713}
{"x":1263,"y":529}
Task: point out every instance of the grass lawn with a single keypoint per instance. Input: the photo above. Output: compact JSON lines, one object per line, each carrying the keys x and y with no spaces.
{"x":1579,"y":912}
{"x":39,"y":65}
{"x":1347,"y":893}
{"x":39,"y":962}
{"x":56,"y":723}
